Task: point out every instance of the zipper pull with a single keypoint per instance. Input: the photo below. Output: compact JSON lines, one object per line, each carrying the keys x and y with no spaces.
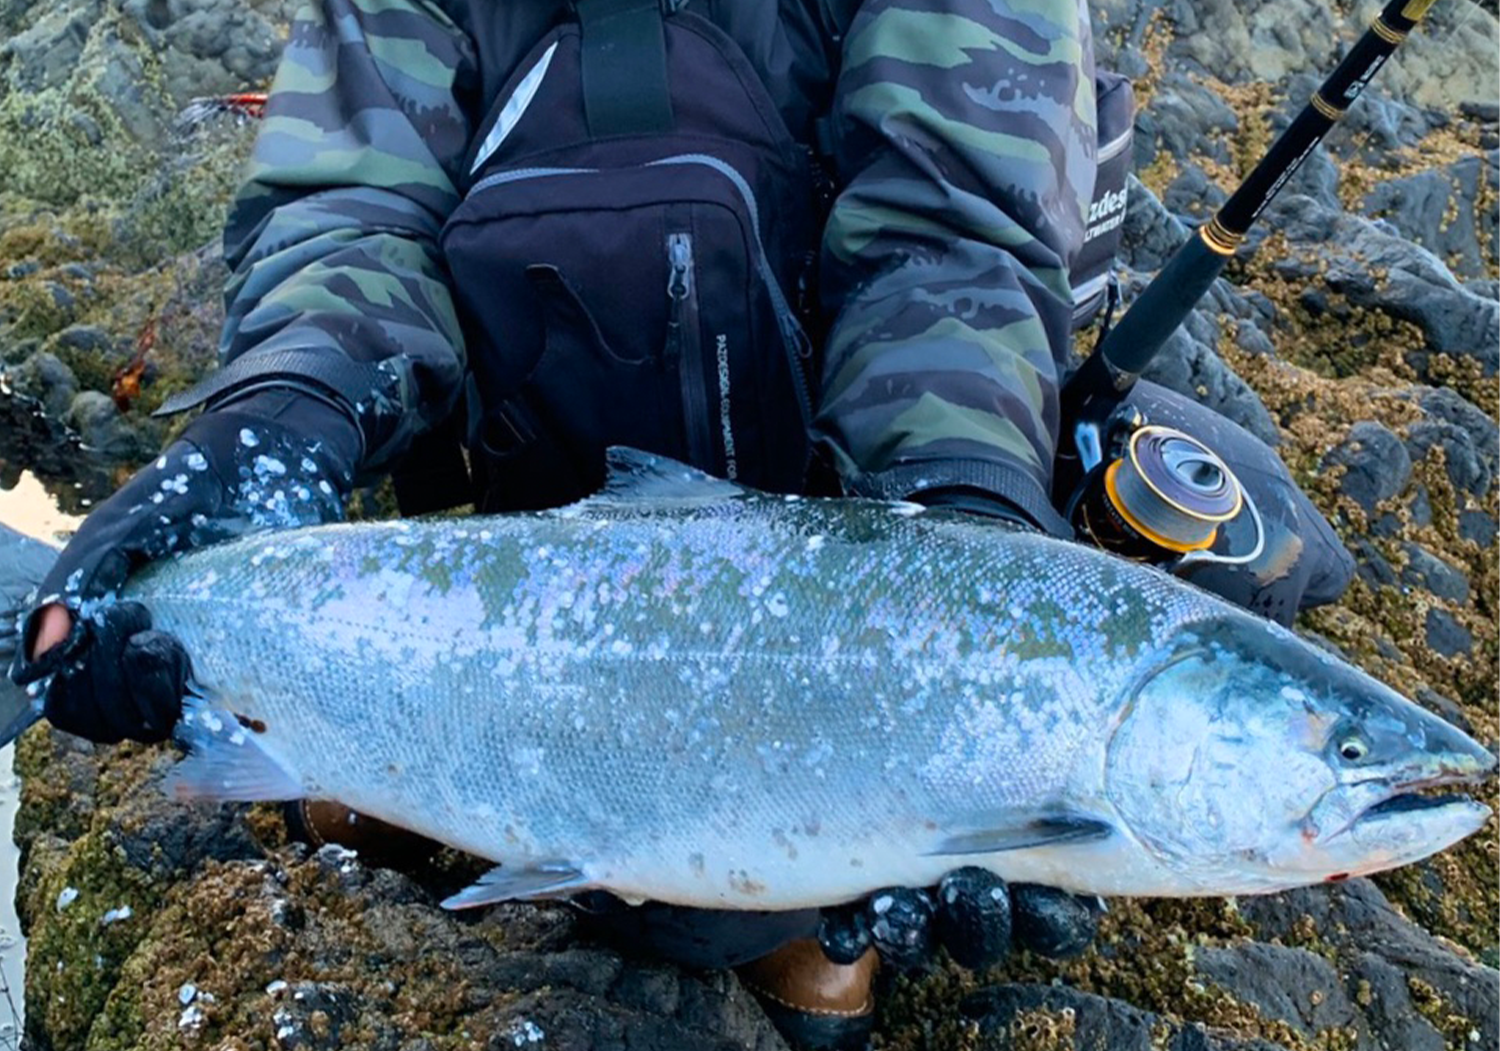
{"x":679,"y":277}
{"x":680,"y":257}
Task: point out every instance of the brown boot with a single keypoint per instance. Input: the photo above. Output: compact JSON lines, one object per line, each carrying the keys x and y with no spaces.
{"x":814,"y":1002}
{"x":318,"y":822}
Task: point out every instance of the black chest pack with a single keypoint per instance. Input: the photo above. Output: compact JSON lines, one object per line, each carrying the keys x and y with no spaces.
{"x":634,"y":262}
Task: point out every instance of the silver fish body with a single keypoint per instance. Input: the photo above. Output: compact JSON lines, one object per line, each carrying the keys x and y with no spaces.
{"x":689,"y":692}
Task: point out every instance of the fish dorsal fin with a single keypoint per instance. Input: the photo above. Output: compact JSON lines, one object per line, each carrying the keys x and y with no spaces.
{"x":645,"y":481}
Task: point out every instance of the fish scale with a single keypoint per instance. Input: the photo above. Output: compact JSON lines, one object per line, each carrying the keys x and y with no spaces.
{"x":686,"y":691}
{"x":719,"y":643}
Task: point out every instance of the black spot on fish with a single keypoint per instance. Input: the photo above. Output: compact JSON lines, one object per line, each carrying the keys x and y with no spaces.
{"x":253,"y":725}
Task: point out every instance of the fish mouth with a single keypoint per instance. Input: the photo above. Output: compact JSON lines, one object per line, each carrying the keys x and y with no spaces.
{"x":1410,"y":802}
{"x":1430,"y":797}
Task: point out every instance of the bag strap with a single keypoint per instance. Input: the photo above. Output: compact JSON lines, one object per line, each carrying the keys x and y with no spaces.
{"x":624,"y":57}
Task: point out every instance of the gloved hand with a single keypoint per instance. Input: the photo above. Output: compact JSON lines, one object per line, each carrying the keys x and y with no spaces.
{"x":972,"y":913}
{"x":276,"y":459}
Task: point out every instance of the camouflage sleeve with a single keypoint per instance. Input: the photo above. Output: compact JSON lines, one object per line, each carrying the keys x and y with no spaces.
{"x":964,"y":132}
{"x":337,"y":279}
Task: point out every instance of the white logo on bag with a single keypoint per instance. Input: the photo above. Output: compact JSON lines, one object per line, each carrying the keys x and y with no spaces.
{"x":721,"y":353}
{"x":1105,"y":214}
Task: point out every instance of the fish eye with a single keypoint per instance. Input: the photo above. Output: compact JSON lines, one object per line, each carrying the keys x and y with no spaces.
{"x":1353,"y":749}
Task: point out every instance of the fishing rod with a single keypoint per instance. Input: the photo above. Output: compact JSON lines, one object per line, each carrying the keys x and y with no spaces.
{"x":1092,"y":396}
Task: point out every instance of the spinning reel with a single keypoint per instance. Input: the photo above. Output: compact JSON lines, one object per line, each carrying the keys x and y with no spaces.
{"x":1154,"y":494}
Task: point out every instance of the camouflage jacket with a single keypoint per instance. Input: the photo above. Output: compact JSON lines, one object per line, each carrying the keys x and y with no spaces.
{"x":963,"y":137}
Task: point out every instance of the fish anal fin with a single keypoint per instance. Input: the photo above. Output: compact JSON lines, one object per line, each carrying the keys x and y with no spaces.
{"x":225,"y":761}
{"x":520,"y":883}
{"x":1048,"y":830}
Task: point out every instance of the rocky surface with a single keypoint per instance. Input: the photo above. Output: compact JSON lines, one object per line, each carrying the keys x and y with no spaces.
{"x":1357,"y":330}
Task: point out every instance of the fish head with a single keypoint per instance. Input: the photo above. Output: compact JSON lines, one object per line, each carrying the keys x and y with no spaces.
{"x":1247,"y":761}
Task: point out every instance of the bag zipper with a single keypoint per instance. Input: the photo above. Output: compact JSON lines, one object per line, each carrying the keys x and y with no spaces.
{"x":685,"y":347}
{"x":794,"y":339}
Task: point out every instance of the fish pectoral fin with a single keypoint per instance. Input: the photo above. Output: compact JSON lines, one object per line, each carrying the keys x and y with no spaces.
{"x":225,"y":761}
{"x":545,"y":879}
{"x":1036,"y":832}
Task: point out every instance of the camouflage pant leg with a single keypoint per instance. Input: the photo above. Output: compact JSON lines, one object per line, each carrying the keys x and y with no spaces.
{"x":965,"y":139}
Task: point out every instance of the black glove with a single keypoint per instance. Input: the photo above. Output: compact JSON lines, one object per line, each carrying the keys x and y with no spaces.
{"x":972,"y":913}
{"x":274,"y":460}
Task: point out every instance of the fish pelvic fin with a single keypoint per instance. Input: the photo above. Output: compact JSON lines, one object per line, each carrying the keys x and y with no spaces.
{"x":23,"y":564}
{"x":1037,"y":832}
{"x":225,"y":761}
{"x":545,"y":879}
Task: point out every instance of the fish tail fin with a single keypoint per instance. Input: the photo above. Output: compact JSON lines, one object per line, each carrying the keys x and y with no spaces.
{"x":23,"y":564}
{"x":226,"y":761}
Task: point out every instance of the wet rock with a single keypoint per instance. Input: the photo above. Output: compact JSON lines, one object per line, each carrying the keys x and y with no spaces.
{"x":1440,"y":210}
{"x":86,"y":339}
{"x":1374,"y":268}
{"x":1481,"y":440}
{"x":1419,"y":506}
{"x":1376,"y":464}
{"x":313,"y":1015}
{"x":1370,"y":565}
{"x":1038,"y":1016}
{"x":45,"y":378}
{"x":1385,"y":990}
{"x":1477,"y":526}
{"x":1185,"y":119}
{"x":210,"y":46}
{"x":1447,"y":636}
{"x":1290,"y":985}
{"x":98,"y":422}
{"x":1150,"y":233}
{"x":1425,"y":570}
{"x":1356,"y":924}
{"x":1417,"y":512}
{"x":1193,"y":195}
{"x":1465,"y":464}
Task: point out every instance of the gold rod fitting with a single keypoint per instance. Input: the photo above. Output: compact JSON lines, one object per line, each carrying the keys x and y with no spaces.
{"x":1416,"y":9}
{"x":1385,"y":32}
{"x":1326,"y":108}
{"x":1218,"y":239}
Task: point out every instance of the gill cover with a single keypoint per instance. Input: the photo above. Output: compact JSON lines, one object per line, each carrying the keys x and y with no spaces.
{"x":1244,"y":754}
{"x":1217,"y":755}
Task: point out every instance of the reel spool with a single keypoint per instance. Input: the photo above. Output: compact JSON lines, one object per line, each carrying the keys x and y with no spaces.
{"x":1162,"y":499}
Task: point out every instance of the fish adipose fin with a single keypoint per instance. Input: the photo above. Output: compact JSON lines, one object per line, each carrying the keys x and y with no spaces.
{"x":1039,"y":832}
{"x":544,"y":879}
{"x":23,"y":564}
{"x":225,"y":761}
{"x":645,"y":481}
